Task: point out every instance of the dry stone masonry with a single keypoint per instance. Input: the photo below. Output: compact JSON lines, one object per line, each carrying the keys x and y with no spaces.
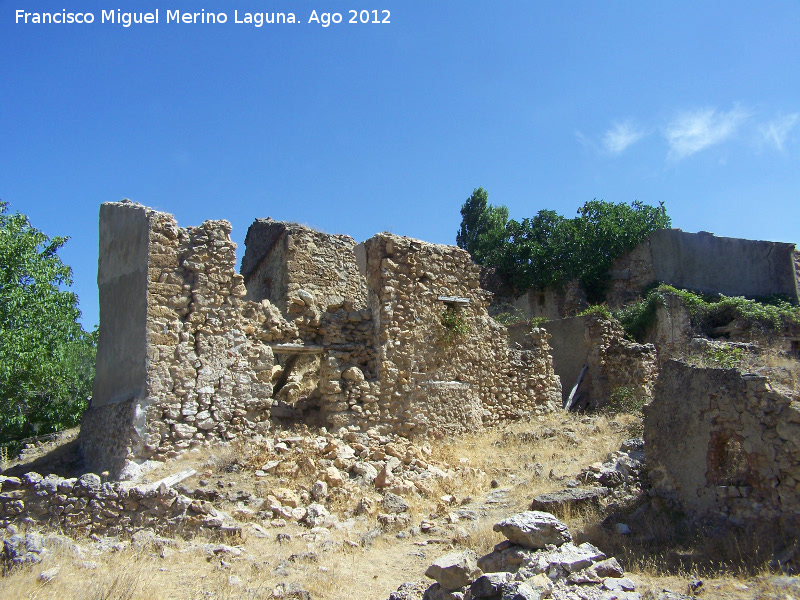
{"x":316,"y":329}
{"x":180,"y":359}
{"x":86,"y":505}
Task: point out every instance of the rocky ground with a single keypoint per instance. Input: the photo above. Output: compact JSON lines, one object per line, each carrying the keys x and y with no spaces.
{"x":367,"y":516}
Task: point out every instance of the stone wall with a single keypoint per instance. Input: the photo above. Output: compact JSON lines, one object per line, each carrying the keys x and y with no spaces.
{"x":85,"y":505}
{"x":724,"y":443}
{"x":552,"y":302}
{"x":613,"y":362}
{"x":411,"y":284}
{"x":673,"y":333}
{"x":630,"y":274}
{"x":699,"y":262}
{"x":705,"y":263}
{"x":202,"y":368}
{"x":283,"y":258}
{"x":318,"y":329}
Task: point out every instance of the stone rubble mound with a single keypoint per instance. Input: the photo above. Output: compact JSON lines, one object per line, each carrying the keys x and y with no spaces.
{"x":619,"y":480}
{"x":623,"y":469}
{"x":366,"y":472}
{"x":363,"y":472}
{"x":538,"y":560}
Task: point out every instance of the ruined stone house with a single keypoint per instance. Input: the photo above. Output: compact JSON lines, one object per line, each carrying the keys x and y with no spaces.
{"x":316,"y":328}
{"x":725,"y":444}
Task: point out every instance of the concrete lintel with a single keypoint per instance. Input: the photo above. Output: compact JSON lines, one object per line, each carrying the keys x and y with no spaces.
{"x":296,"y":349}
{"x":457,"y":300}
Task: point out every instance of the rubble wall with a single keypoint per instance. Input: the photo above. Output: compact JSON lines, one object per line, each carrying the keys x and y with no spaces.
{"x":323,"y":294}
{"x":724,"y":443}
{"x":552,"y":302}
{"x":407,"y":279}
{"x":86,"y":506}
{"x":295,"y":257}
{"x":206,"y":374}
{"x":324,"y":332}
{"x":618,"y":363}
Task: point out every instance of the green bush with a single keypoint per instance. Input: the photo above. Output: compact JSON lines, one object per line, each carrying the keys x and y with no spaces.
{"x":625,"y":400}
{"x":454,"y":326}
{"x":723,"y":357}
{"x":538,"y":321}
{"x":707,"y":312}
{"x":597,"y":309}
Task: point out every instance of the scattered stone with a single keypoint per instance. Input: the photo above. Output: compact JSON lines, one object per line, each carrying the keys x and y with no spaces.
{"x":489,"y":585}
{"x":573,"y":558}
{"x":409,"y":591}
{"x":317,"y":516}
{"x":455,"y":570}
{"x":619,"y":584}
{"x":319,"y":491}
{"x":666,"y":594}
{"x":534,"y":529}
{"x":608,"y":568}
{"x":50,"y":574}
{"x":334,"y":477}
{"x":393,"y":503}
{"x":24,"y":548}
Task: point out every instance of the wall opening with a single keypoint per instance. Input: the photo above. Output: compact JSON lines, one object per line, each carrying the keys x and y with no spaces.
{"x":727,"y":460}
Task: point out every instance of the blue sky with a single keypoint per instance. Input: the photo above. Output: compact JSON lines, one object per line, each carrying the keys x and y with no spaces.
{"x":361,"y":128}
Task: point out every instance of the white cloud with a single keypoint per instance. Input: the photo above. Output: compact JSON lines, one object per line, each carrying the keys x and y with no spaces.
{"x":693,"y":131}
{"x":777,"y":130}
{"x":620,"y":136}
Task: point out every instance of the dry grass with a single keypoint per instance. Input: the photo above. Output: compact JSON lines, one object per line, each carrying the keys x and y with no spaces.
{"x":342,"y":568}
{"x":536,"y":457}
{"x":782,"y":370}
{"x":523,"y":459}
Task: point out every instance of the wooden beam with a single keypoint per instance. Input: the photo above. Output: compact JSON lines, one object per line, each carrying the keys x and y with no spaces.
{"x":574,"y":391}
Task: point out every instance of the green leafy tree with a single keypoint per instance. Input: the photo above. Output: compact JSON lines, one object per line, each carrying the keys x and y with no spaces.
{"x":604,"y":231}
{"x":483,"y":228}
{"x":548,"y":249}
{"x":46,"y":358}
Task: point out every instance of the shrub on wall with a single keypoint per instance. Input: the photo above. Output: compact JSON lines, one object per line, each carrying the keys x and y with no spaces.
{"x":707,"y":312}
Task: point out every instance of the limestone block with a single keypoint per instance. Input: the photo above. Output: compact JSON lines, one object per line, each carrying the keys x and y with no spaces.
{"x":455,"y":570}
{"x":534,"y":529}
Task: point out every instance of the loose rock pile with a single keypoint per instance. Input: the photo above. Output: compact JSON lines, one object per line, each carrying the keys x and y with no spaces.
{"x":538,"y":560}
{"x":357,"y":473}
